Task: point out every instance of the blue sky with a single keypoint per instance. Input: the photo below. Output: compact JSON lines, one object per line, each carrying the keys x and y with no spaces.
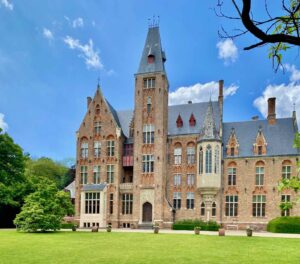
{"x":52,"y":52}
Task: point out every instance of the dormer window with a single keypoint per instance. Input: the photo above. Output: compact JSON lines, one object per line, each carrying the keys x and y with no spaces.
{"x":232,"y":147}
{"x":179,"y":121}
{"x":259,"y":150}
{"x":232,"y":151}
{"x":151,"y":59}
{"x":260,"y":145}
{"x":192,"y":120}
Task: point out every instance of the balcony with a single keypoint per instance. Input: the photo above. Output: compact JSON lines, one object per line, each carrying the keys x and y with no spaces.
{"x":127,"y":161}
{"x":126,"y":186}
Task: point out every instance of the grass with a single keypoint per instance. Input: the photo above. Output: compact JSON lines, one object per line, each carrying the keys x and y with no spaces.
{"x":138,"y":248}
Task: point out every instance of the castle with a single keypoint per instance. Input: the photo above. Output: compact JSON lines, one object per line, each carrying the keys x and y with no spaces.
{"x":161,"y":163}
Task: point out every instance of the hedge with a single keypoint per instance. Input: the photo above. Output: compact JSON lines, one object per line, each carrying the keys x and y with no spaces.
{"x":285,"y":224}
{"x":191,"y":224}
{"x":67,"y":225}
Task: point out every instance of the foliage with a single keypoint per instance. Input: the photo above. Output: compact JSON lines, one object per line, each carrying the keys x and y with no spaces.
{"x":284,"y":224}
{"x":45,"y":168}
{"x":44,"y":209}
{"x":192,"y":224}
{"x":12,"y":165}
{"x":68,"y":225}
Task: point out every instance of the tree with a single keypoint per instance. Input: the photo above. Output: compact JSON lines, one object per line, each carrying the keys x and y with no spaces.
{"x":45,"y":168}
{"x":282,"y":31}
{"x":44,"y":209}
{"x":12,"y":166}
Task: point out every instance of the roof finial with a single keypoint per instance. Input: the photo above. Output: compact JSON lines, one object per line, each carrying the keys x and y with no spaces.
{"x":98,"y":85}
{"x":294,"y":106}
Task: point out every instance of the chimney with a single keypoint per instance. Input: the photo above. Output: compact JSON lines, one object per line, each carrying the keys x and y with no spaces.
{"x":88,"y":100}
{"x":221,"y":84}
{"x":272,"y":111}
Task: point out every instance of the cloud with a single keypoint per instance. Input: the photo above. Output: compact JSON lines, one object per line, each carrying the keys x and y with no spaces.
{"x":7,"y":4}
{"x":47,"y":34}
{"x":86,"y":51}
{"x":3,"y":125}
{"x":228,"y":51}
{"x":287,"y":94}
{"x":199,"y":93}
{"x":78,"y":22}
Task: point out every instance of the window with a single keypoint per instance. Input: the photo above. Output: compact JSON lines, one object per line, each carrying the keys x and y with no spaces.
{"x":286,"y":172}
{"x":92,"y":203}
{"x":148,"y":134}
{"x":259,"y":205}
{"x":208,"y":160}
{"x":285,"y":198}
{"x":83,"y":174}
{"x":201,"y":161}
{"x":148,"y":163}
{"x":190,"y":151}
{"x":110,"y":144}
{"x":217,"y":155}
{"x":149,"y":83}
{"x":213,"y":209}
{"x":231,"y":152}
{"x":190,"y":200}
{"x":97,"y":128}
{"x":110,"y":173}
{"x":149,"y":104}
{"x":202,"y":209}
{"x":231,"y":176}
{"x":96,"y":174}
{"x":127,"y":203}
{"x":177,"y":179}
{"x":190,"y":179}
{"x":84,"y":150}
{"x":259,"y":150}
{"x":97,"y":109}
{"x":177,"y":200}
{"x":97,"y":149}
{"x":231,"y":205}
{"x":259,"y":176}
{"x":111,"y":203}
{"x":177,"y":156}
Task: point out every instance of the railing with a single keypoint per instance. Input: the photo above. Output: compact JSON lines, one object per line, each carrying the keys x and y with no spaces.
{"x":127,"y":161}
{"x":126,"y":186}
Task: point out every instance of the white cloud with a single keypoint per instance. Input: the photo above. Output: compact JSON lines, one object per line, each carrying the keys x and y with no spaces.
{"x":228,"y":51}
{"x":199,"y":93}
{"x":286,"y":96}
{"x":3,"y":125}
{"x":78,"y":22}
{"x":7,"y":4}
{"x":86,"y":51}
{"x":47,"y":34}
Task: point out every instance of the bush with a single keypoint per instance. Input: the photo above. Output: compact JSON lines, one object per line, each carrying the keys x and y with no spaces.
{"x":191,"y":224}
{"x":67,"y":225}
{"x":284,"y":224}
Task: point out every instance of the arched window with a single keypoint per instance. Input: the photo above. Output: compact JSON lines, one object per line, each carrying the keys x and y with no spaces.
{"x":286,"y":169}
{"x":213,"y":209}
{"x":149,"y":104}
{"x":259,"y":173}
{"x":84,"y":149}
{"x":97,"y":109}
{"x":200,"y":160}
{"x":202,"y":209}
{"x":231,"y":171}
{"x":208,"y":159}
{"x":217,"y":159}
{"x":190,"y":153}
{"x":177,"y":154}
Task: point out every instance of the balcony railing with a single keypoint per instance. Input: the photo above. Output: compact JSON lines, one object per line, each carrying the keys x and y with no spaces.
{"x":127,"y":161}
{"x":126,"y":186}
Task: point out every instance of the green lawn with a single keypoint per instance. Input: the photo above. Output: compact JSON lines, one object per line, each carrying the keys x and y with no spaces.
{"x":86,"y":247}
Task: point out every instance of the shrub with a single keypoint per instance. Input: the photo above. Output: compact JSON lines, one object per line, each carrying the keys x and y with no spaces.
{"x":284,"y":224}
{"x":191,"y":224}
{"x":67,"y":225}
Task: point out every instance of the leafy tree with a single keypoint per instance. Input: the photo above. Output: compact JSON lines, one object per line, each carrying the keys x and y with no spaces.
{"x":12,"y":166}
{"x":45,"y":168}
{"x":281,"y":31}
{"x":44,"y":209}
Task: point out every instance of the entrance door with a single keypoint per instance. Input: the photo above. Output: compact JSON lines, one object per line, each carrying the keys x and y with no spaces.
{"x":147,"y":212}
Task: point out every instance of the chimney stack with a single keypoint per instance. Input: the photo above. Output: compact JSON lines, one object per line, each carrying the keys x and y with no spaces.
{"x":89,"y":100}
{"x":221,"y":84}
{"x":272,"y":111}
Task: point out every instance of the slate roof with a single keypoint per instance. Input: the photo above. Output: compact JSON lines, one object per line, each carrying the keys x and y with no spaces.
{"x":279,"y":137}
{"x":94,"y":187}
{"x":152,"y":47}
{"x":71,"y":189}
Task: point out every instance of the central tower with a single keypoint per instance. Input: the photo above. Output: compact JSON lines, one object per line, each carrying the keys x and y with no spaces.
{"x":150,"y":132}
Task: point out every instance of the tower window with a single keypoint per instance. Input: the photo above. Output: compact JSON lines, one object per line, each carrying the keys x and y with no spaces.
{"x":148,"y":163}
{"x":97,"y":128}
{"x":151,"y":59}
{"x":148,"y":134}
{"x":208,"y":160}
{"x":149,"y":83}
{"x":110,"y":169}
{"x":201,"y":161}
{"x":149,"y":104}
{"x":84,"y":150}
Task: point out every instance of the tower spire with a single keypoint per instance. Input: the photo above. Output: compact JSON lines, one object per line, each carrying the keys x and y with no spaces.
{"x":209,"y":127}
